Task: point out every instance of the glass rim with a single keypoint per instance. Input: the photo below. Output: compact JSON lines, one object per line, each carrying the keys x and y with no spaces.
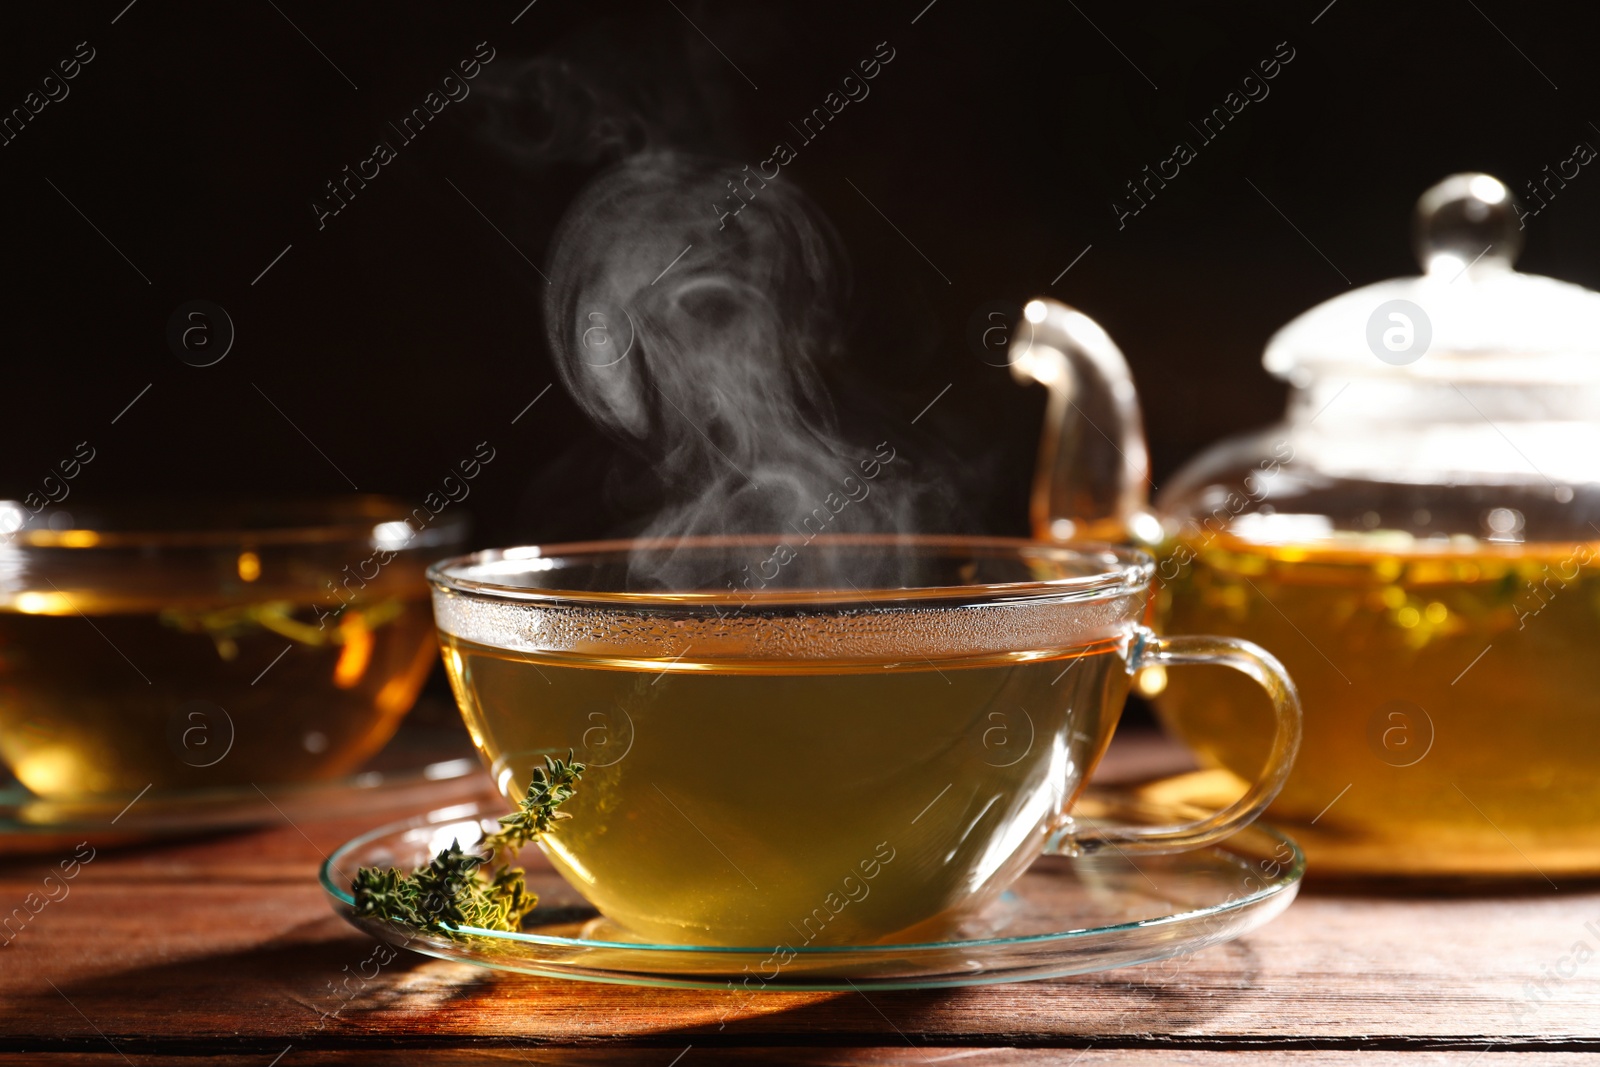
{"x":1120,"y":571}
{"x":349,"y":519}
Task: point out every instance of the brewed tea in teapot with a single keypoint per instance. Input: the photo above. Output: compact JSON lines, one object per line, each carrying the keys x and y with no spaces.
{"x":1417,"y":542}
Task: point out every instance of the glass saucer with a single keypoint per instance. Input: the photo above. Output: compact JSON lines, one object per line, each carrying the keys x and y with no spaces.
{"x":1066,"y":915}
{"x":423,"y":764}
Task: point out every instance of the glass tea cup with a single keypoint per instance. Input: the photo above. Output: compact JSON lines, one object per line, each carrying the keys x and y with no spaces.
{"x":184,"y":646}
{"x":880,"y":739}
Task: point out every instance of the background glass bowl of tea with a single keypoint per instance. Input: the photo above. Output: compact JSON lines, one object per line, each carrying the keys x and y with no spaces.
{"x":178,"y":646}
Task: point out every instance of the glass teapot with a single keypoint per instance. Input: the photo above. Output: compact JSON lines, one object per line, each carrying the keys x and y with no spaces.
{"x":1417,"y":541}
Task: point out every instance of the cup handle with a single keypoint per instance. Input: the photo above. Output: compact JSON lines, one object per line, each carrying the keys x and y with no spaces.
{"x":1248,"y":658}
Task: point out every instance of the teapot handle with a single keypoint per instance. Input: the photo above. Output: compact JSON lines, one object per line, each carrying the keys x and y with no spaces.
{"x":1094,"y":467}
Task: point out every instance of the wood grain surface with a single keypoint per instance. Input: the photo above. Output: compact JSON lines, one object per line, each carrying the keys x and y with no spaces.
{"x":224,"y":950}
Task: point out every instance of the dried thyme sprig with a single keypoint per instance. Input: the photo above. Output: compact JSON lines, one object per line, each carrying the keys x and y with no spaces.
{"x":538,"y":813}
{"x":457,"y":888}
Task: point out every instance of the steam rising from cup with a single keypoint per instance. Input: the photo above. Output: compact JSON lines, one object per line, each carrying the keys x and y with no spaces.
{"x":698,"y":336}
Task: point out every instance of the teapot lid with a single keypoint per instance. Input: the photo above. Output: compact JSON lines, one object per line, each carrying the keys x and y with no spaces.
{"x":1468,"y":317}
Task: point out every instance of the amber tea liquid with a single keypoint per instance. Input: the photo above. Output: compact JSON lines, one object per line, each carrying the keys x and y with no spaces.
{"x":181,"y":697}
{"x":785,"y":804}
{"x":1452,"y":697}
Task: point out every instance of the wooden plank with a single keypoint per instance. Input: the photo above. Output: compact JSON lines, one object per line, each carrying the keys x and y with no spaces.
{"x":222,"y":944}
{"x":699,"y":1056}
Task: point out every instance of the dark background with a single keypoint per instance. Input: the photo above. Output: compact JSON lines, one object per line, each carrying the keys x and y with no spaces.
{"x":408,"y":329}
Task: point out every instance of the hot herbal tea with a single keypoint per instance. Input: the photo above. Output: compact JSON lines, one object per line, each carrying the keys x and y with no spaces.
{"x":1412,"y":663}
{"x":786,"y":803}
{"x":131,"y":694}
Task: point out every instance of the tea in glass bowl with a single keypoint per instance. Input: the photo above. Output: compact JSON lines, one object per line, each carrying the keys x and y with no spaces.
{"x":176,"y":647}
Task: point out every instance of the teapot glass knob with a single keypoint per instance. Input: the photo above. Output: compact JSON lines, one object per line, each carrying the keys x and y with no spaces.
{"x":1466,"y":221}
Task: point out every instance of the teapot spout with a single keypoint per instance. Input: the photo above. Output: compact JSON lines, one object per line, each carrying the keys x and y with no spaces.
{"x":1093,"y":477}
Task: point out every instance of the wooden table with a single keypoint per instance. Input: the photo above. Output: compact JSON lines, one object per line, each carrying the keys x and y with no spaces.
{"x":224,"y":950}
